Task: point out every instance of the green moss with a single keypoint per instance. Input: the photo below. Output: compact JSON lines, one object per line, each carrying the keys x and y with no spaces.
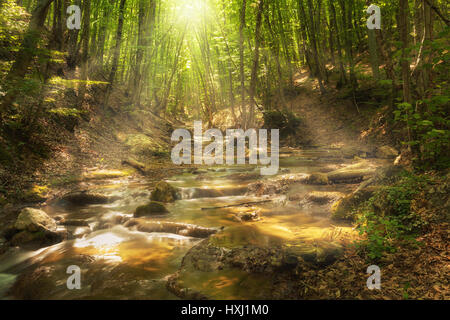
{"x":153,"y":208}
{"x":164,"y":192}
{"x":390,"y":216}
{"x":140,"y":144}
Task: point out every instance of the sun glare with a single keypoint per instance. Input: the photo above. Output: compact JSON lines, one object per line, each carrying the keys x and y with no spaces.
{"x":192,"y":11}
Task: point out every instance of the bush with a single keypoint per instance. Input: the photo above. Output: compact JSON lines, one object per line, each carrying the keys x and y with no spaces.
{"x":428,"y":131}
{"x":286,"y":121}
{"x":387,"y":218}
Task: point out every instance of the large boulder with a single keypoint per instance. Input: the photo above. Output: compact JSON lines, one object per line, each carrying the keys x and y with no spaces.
{"x":34,"y":220}
{"x":150,"y":209}
{"x":35,"y":227}
{"x":164,"y":192}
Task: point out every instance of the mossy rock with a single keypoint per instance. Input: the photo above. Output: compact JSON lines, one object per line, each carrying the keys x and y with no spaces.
{"x":354,"y":173}
{"x":40,"y":238}
{"x":164,"y":192}
{"x":153,"y":208}
{"x":34,"y":220}
{"x":85,"y":198}
{"x":344,"y":208}
{"x":321,"y":197}
{"x":317,"y":178}
{"x":35,"y":227}
{"x":349,"y":176}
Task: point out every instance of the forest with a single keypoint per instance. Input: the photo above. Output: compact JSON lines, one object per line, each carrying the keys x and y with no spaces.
{"x":92,"y":93}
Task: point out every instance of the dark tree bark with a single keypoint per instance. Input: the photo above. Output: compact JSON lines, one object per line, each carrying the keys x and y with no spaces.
{"x":116,"y":54}
{"x":403,"y":23}
{"x":241,"y":54}
{"x":254,"y":76}
{"x":312,"y":36}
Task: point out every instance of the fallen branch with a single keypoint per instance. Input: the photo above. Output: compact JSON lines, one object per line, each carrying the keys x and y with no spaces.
{"x":238,"y":204}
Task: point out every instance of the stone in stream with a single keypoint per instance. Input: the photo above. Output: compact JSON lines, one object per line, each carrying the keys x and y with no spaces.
{"x":184,"y":229}
{"x":354,"y":173}
{"x":198,"y":171}
{"x":34,"y":220}
{"x":322,"y":197}
{"x":34,"y":226}
{"x":271,"y":266}
{"x":85,"y":198}
{"x":44,"y":281}
{"x":164,"y":192}
{"x":247,"y":216}
{"x":150,"y":209}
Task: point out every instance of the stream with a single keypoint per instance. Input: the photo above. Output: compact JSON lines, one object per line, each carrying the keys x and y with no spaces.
{"x":119,"y":262}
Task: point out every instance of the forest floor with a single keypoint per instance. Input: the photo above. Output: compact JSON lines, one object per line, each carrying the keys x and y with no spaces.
{"x":96,"y":146}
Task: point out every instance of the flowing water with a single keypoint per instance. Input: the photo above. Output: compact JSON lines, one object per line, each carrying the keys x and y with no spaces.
{"x":120,"y":262}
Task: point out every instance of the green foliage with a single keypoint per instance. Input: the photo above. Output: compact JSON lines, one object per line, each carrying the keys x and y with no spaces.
{"x":429,"y":132}
{"x":13,"y":23}
{"x":387,"y":218}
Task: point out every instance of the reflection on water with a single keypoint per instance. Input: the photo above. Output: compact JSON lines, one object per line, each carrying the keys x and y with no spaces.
{"x":120,"y":263}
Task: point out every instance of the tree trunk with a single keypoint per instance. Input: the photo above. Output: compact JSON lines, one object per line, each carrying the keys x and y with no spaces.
{"x":241,"y":57}
{"x":343,"y":78}
{"x":312,"y":36}
{"x":85,"y":45}
{"x":255,"y":66}
{"x":403,"y":23}
{"x":116,"y":55}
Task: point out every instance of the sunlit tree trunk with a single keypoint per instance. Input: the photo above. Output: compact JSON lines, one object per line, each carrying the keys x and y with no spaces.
{"x":254,"y":76}
{"x":312,"y":36}
{"x":116,"y":56}
{"x":241,"y":56}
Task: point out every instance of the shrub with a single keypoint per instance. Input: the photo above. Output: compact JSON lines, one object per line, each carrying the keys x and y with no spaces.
{"x":286,"y":121}
{"x":387,"y":218}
